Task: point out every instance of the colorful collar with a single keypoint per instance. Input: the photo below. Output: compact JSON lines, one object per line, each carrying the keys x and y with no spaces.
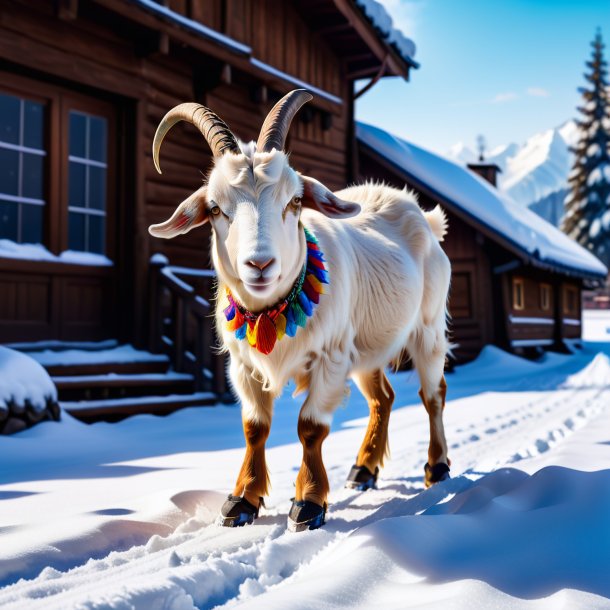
{"x":263,"y":329}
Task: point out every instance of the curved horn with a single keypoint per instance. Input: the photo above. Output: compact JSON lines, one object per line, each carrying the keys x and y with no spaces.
{"x":212,"y":128}
{"x":275,"y":128}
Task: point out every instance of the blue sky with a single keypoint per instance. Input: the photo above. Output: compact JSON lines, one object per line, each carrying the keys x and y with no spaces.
{"x":504,"y":68}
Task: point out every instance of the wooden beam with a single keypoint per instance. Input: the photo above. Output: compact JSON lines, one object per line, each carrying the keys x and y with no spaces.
{"x":66,"y":9}
{"x":38,"y":56}
{"x":154,"y":43}
{"x":208,"y":76}
{"x":260,"y":94}
{"x":396,"y":64}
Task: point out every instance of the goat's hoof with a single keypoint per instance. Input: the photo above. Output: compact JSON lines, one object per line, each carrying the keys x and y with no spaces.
{"x":361,"y":478}
{"x":435,"y":474}
{"x":306,"y":515}
{"x":237,"y":511}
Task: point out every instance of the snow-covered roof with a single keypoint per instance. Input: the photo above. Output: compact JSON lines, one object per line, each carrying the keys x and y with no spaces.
{"x":517,"y":227}
{"x":382,"y":22}
{"x":374,"y":12}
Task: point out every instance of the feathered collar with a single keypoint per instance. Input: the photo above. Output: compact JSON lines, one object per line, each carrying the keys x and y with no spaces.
{"x":264,"y":328}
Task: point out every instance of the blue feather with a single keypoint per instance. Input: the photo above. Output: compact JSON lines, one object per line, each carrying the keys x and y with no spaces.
{"x":240,"y":333}
{"x":305,"y":304}
{"x":291,"y":326}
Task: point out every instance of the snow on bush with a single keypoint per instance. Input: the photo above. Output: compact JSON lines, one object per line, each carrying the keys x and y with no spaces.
{"x":26,"y":392}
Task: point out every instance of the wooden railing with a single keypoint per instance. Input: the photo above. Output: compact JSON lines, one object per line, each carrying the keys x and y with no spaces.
{"x":182,"y":324}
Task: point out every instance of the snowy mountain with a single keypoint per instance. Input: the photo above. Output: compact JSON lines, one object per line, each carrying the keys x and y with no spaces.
{"x":533,"y":171}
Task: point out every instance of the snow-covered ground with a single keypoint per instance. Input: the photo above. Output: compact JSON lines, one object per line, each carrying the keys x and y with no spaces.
{"x":122,"y":515}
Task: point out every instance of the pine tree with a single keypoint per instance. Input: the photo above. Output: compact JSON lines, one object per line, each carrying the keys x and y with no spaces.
{"x":587,"y":206}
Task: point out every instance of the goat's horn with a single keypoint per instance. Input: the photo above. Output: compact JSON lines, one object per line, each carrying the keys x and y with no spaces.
{"x":212,"y":128}
{"x":275,"y":128}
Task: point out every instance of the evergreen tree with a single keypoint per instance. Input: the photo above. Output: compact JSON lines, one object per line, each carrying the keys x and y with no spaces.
{"x":587,"y":206}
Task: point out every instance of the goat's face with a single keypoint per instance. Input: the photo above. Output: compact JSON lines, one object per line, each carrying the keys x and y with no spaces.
{"x":253,"y":200}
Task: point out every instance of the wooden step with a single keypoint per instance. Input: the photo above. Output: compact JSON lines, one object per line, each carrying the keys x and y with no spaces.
{"x":104,"y":368}
{"x":67,"y":359}
{"x":92,"y":387}
{"x":117,"y":409}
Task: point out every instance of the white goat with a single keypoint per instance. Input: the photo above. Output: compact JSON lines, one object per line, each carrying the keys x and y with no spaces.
{"x":387,"y":292}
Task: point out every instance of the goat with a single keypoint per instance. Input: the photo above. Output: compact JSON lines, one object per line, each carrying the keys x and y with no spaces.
{"x":281,"y":239}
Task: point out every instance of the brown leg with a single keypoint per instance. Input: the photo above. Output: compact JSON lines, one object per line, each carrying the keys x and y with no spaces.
{"x":377,"y":390}
{"x":437,"y":449}
{"x":253,"y":479}
{"x":312,"y":482}
{"x":257,"y":408}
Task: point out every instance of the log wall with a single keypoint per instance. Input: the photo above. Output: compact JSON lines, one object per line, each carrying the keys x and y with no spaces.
{"x":112,"y":57}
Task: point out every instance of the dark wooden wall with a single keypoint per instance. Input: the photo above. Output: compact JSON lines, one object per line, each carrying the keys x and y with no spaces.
{"x":115,"y":58}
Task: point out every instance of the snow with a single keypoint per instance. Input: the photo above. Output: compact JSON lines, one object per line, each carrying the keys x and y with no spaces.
{"x":23,"y":379}
{"x":381,"y":20}
{"x":595,"y":228}
{"x":110,"y":404}
{"x":37,"y":252}
{"x":193,"y":26}
{"x":528,"y":233}
{"x":294,"y":81}
{"x":122,"y":515}
{"x":533,"y":170}
{"x":596,"y":325}
{"x":599,"y":174}
{"x":68,"y":357}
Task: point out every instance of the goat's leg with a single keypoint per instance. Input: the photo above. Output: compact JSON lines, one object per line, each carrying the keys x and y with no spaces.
{"x":326,"y":390}
{"x":379,"y":394}
{"x":429,"y":359}
{"x":253,"y":479}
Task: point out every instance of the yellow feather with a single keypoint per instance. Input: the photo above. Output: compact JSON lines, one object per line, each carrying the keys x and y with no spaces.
{"x":251,"y":335}
{"x":280,"y":326}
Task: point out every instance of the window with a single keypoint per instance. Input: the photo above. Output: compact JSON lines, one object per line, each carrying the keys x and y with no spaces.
{"x":87,"y":182}
{"x":570,"y":300}
{"x":545,"y":297}
{"x":22,"y":167}
{"x":56,"y":174}
{"x":518,"y":294}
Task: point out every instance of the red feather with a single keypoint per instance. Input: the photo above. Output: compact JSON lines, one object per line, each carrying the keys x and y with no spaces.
{"x":311,"y":292}
{"x":265,"y":333}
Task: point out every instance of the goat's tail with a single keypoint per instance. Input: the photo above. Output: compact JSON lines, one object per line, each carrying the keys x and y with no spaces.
{"x":438,"y":222}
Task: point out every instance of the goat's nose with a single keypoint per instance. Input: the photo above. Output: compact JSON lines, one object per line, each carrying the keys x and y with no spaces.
{"x":261,"y":264}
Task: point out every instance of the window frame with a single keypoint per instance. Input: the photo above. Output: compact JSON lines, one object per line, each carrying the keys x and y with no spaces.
{"x":546,"y":289}
{"x":71,"y":101}
{"x":518,"y":281}
{"x":43,"y":94}
{"x":569,"y":289}
{"x":58,"y":102}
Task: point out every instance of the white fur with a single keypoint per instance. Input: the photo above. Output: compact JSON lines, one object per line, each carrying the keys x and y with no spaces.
{"x":389,"y":280}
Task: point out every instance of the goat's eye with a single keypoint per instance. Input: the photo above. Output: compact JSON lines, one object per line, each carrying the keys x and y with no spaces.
{"x":296,"y":200}
{"x":215,"y":211}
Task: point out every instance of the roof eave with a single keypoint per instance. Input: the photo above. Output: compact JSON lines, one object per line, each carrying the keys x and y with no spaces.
{"x":456,"y":209}
{"x":397,"y":65}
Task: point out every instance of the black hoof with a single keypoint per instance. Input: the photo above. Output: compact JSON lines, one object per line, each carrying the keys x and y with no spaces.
{"x":435,"y":474}
{"x":305,"y":515}
{"x":361,"y":478}
{"x":237,"y":511}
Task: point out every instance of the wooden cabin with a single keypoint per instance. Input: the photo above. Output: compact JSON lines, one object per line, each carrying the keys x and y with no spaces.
{"x":516,"y":279}
{"x":83,"y":85}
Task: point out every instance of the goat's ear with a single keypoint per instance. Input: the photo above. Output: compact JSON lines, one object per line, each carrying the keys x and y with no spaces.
{"x":317,"y":197}
{"x":191,"y":213}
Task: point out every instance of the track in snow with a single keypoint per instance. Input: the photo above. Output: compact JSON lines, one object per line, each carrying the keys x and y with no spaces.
{"x":205,"y":566}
